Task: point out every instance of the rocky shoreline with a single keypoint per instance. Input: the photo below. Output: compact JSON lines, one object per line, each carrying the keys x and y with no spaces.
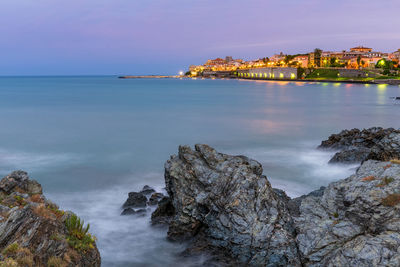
{"x":35,"y":232}
{"x":226,"y":209}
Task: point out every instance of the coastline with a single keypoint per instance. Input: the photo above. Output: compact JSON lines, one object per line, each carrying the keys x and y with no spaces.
{"x":377,"y":81}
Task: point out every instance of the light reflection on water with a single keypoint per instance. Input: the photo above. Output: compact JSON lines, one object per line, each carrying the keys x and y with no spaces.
{"x":91,"y":140}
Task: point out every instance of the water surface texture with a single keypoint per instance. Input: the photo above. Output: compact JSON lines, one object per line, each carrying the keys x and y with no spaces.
{"x":91,"y":140}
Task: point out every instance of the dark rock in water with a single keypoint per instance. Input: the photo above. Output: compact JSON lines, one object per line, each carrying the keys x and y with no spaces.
{"x":154,"y":198}
{"x":358,"y":145}
{"x":33,"y":230}
{"x":164,"y":212}
{"x":135,"y":200}
{"x":128,"y":211}
{"x":227,"y":200}
{"x":147,"y":190}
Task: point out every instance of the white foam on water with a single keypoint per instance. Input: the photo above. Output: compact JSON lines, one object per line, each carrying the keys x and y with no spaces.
{"x":301,"y":169}
{"x":12,"y":160}
{"x":124,"y":240}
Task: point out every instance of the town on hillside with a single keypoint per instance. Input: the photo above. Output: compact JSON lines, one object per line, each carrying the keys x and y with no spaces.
{"x":359,"y":62}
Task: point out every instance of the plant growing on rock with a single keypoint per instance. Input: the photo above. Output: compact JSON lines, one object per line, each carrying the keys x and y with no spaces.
{"x":391,"y":200}
{"x":78,"y":236}
{"x":385,"y":181}
{"x":56,"y":262}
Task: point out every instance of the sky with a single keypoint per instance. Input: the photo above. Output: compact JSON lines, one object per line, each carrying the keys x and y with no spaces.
{"x":120,"y":37}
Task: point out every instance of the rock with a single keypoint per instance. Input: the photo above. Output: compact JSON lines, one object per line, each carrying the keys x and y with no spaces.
{"x":147,"y":190}
{"x":154,"y":198}
{"x":130,"y":211}
{"x":355,"y":222}
{"x":358,"y":145}
{"x":135,"y":200}
{"x":33,"y":230}
{"x":228,"y":201}
{"x":164,"y":212}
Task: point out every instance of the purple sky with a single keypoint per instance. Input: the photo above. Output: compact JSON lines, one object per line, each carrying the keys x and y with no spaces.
{"x":40,"y":37}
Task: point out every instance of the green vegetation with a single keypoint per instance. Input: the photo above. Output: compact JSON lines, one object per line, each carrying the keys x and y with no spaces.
{"x":56,"y":262}
{"x":336,"y":215}
{"x":16,"y":256}
{"x":323,"y":73}
{"x":78,"y":236}
{"x":385,"y":181}
{"x":11,"y":249}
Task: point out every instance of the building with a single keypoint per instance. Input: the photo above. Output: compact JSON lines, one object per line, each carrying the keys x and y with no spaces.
{"x":302,"y":61}
{"x":361,"y":49}
{"x":268,"y":73}
{"x":215,"y":62}
{"x":277,"y":57}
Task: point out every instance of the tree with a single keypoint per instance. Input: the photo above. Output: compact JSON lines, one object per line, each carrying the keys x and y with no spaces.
{"x":358,"y":61}
{"x":317,"y":57}
{"x":288,"y":58}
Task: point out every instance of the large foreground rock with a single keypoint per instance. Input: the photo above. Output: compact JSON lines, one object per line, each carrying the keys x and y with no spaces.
{"x":356,"y":145}
{"x":33,"y":230}
{"x":226,"y":200}
{"x":224,"y":203}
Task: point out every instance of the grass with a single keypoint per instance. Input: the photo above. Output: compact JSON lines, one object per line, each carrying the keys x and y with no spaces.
{"x":11,"y":249}
{"x":391,"y":200}
{"x":78,"y":236}
{"x":17,"y":256}
{"x":56,"y":262}
{"x":323,"y":73}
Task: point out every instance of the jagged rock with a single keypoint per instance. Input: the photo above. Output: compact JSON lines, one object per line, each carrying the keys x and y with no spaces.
{"x":147,"y":190}
{"x":358,"y":145}
{"x":228,"y":201}
{"x":155,"y":198}
{"x":164,"y":212}
{"x":135,"y":200}
{"x":33,"y":229}
{"x":356,"y":221}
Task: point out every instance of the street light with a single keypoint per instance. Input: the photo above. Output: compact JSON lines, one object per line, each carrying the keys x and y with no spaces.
{"x":181,"y":73}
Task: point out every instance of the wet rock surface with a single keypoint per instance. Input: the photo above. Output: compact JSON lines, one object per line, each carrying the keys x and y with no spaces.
{"x":356,"y":145}
{"x":228,"y":201}
{"x":33,"y":231}
{"x":227,"y":210}
{"x":139,"y":202}
{"x":355,"y":222}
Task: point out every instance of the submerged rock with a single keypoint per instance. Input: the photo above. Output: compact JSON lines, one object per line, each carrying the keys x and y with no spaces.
{"x":147,"y":190}
{"x":155,"y":198}
{"x":356,"y":145}
{"x":135,"y":200}
{"x":33,"y":231}
{"x":228,"y":201}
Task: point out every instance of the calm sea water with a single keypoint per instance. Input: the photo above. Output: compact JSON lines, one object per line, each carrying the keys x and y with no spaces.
{"x":91,"y":140}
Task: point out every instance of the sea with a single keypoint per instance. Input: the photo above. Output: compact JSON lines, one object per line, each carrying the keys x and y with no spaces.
{"x":90,"y":140}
